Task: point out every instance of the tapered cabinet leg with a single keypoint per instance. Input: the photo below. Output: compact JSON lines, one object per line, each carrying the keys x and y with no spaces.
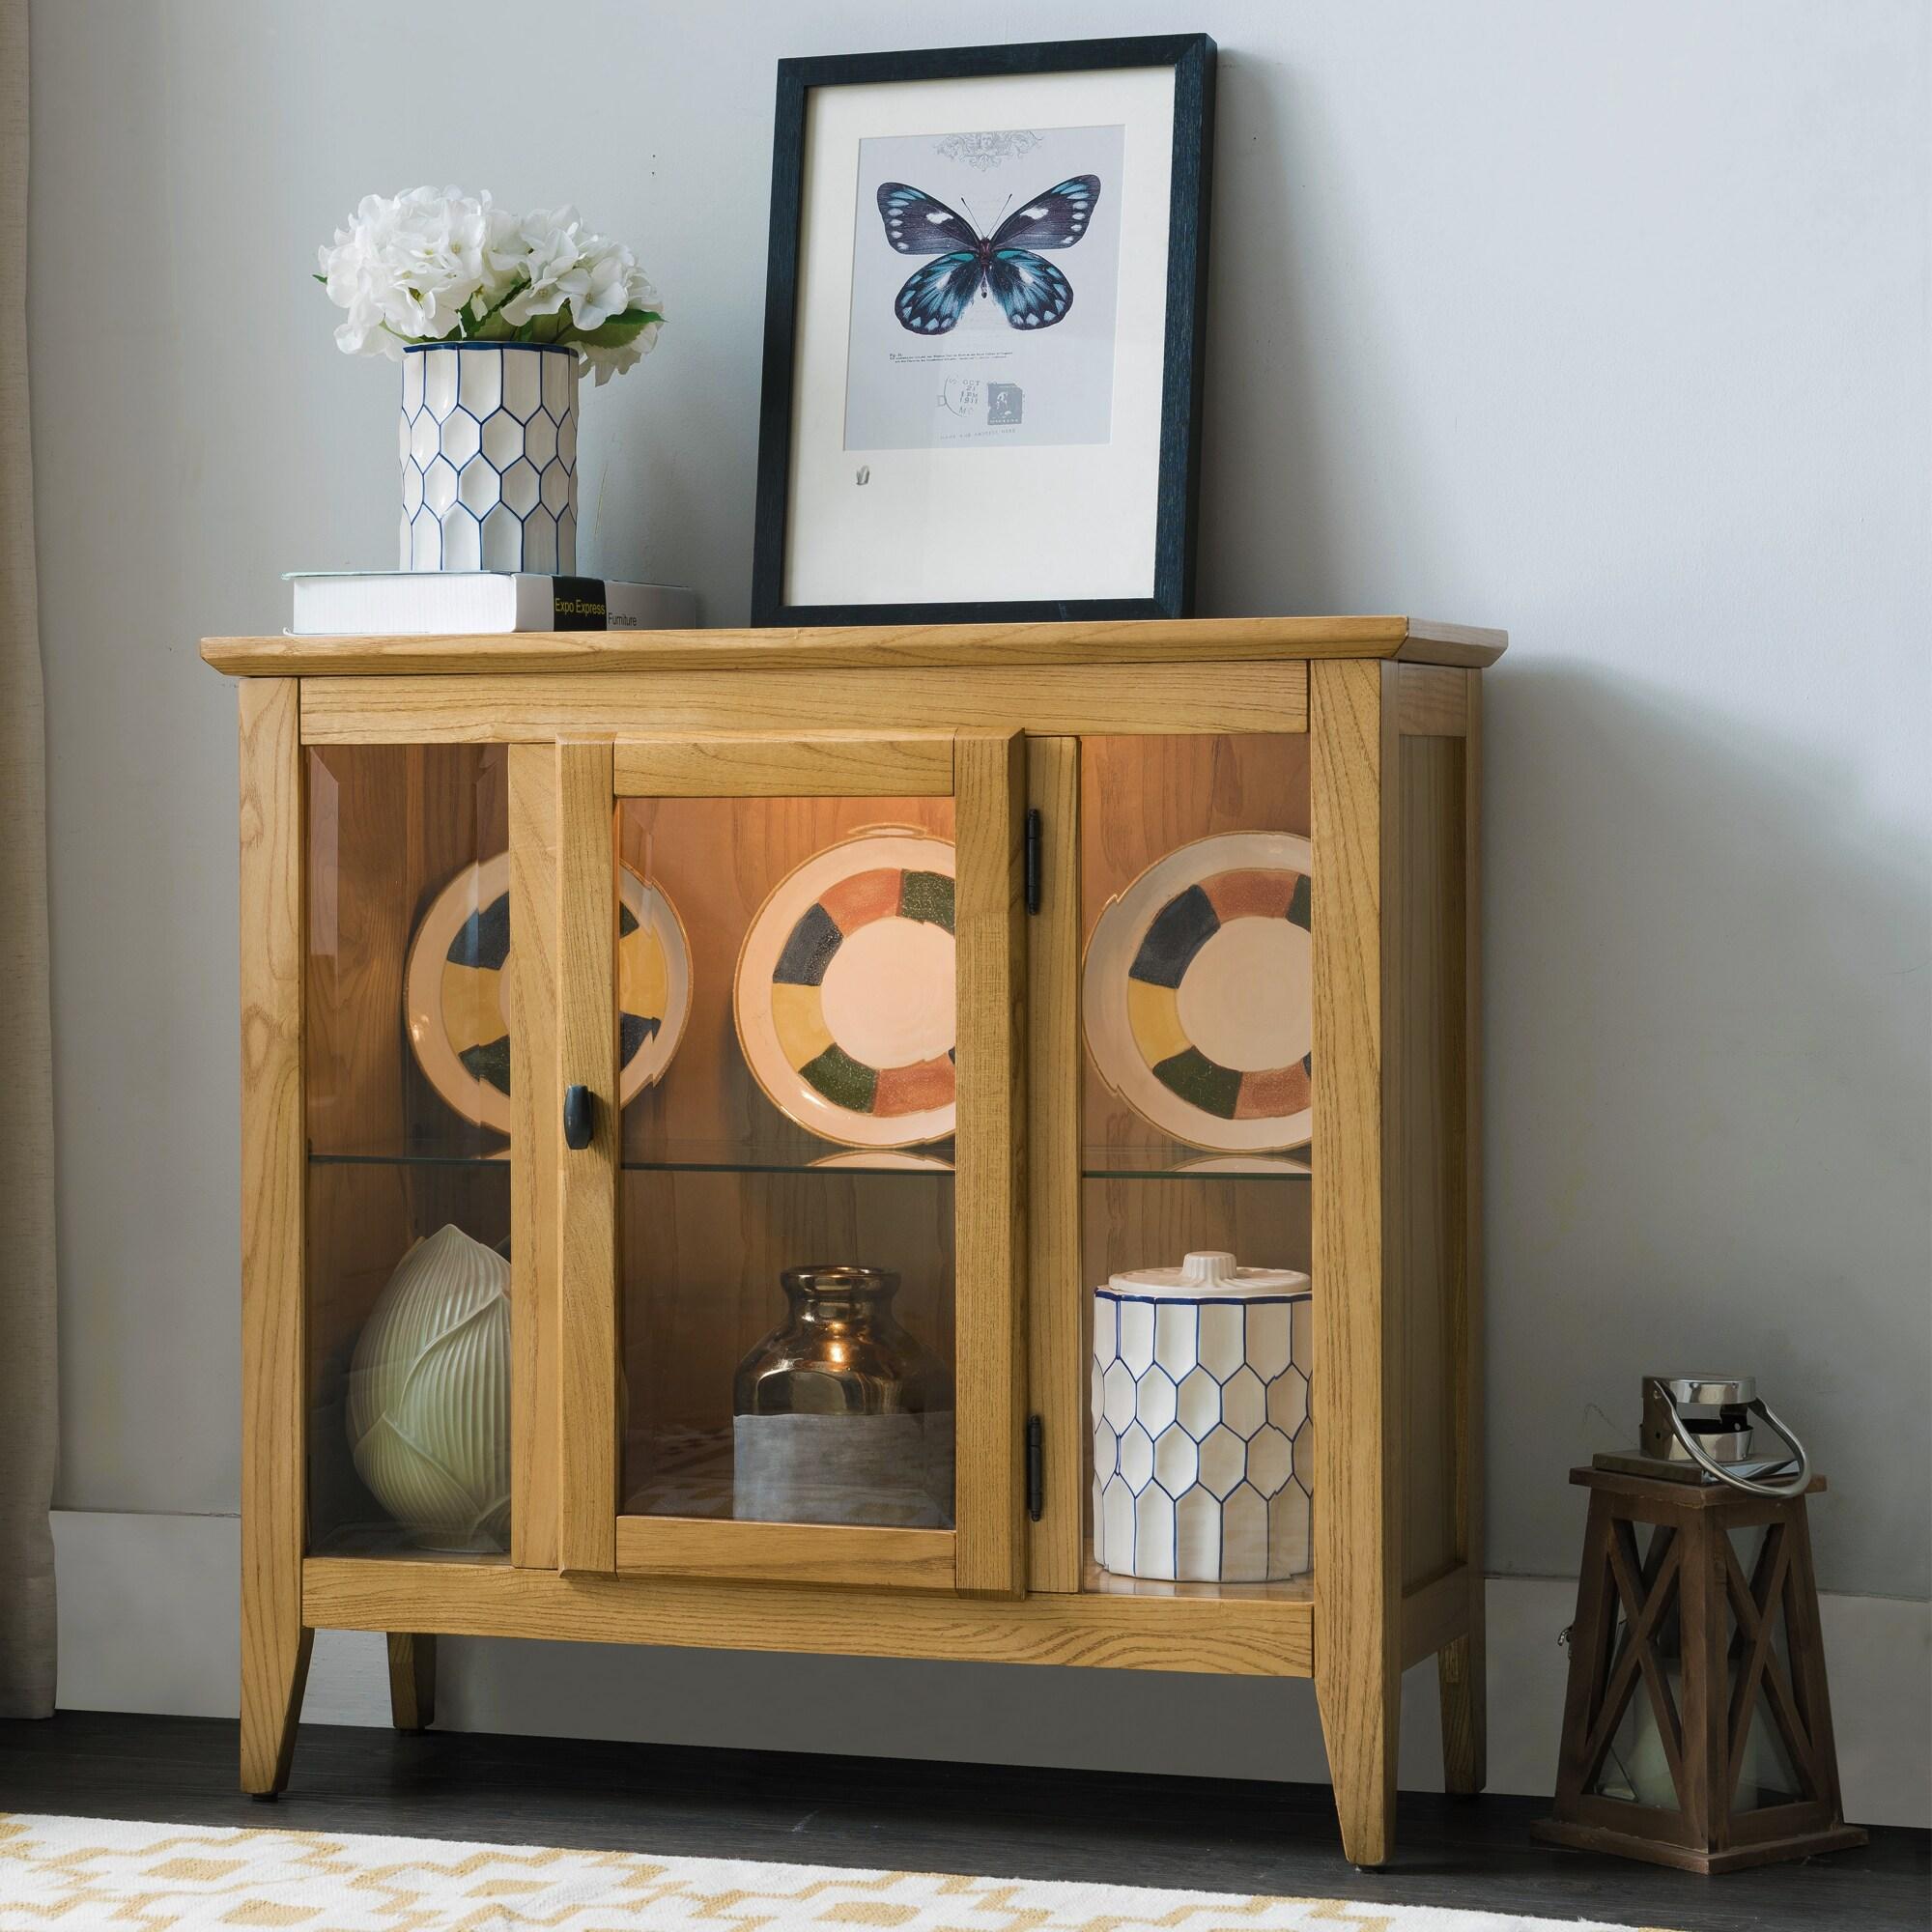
{"x":275,"y":1641}
{"x":1359,"y":1725}
{"x":274,"y":1670}
{"x":1462,"y":1679}
{"x":411,"y":1680}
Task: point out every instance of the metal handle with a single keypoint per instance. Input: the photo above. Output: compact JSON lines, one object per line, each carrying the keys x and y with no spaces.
{"x":578,"y":1117}
{"x":1791,"y":1486}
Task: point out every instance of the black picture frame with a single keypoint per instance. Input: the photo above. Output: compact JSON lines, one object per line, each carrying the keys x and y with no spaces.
{"x":1192,"y":59}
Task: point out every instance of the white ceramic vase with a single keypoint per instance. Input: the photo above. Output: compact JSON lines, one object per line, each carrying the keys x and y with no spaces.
{"x":1202,"y":1449}
{"x":488,"y":451}
{"x":429,"y":1395}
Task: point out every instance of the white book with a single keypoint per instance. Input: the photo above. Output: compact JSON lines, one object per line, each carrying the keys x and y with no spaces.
{"x":425,"y":602}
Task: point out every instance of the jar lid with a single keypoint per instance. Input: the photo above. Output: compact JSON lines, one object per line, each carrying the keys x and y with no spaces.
{"x":1211,"y":1274}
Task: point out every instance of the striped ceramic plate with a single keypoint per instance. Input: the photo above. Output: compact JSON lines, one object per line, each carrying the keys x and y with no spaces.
{"x":453,"y":999}
{"x":1196,"y":993}
{"x":844,"y":992}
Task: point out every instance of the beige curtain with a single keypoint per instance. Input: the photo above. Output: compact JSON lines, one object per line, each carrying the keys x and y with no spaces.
{"x":27,"y":1384}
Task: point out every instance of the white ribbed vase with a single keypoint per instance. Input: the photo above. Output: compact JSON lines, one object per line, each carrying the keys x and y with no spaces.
{"x":429,"y":1395}
{"x":1202,"y":1449}
{"x":489,"y":450}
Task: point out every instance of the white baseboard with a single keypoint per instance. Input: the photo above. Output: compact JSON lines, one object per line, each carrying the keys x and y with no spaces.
{"x":148,"y":1623}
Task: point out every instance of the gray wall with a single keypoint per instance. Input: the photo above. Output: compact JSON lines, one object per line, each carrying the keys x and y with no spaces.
{"x":1604,"y":322}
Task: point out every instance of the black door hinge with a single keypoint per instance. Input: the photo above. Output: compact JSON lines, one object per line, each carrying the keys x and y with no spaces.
{"x":1035,"y":1467}
{"x":1033,"y":839}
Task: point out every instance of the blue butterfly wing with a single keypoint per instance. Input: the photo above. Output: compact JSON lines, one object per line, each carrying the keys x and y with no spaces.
{"x":935,"y":297}
{"x":1032,"y":291}
{"x":918,"y":225}
{"x":1055,"y":220}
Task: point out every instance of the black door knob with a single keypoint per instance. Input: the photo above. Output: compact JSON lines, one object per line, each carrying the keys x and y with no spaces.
{"x":578,"y":1117}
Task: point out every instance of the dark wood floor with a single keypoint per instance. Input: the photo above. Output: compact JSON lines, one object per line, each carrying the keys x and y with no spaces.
{"x":1211,"y":1835}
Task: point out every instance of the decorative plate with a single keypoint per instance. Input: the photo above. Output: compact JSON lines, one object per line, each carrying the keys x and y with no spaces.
{"x":1196,"y":993}
{"x":883,"y":1160}
{"x":845,"y":996}
{"x":1245,"y":1164}
{"x":453,"y":989}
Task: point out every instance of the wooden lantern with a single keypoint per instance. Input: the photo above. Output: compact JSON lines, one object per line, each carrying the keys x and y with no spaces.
{"x":1697,"y":1729}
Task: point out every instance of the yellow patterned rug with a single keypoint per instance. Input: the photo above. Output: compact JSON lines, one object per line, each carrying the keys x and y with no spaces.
{"x":79,"y":1874}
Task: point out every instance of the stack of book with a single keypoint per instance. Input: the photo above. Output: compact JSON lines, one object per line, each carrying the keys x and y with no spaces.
{"x":424,"y":603}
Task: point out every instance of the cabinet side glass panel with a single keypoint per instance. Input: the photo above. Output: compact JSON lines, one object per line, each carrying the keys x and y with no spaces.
{"x":786,"y":994}
{"x":406,"y":1093}
{"x":1196,"y":1021}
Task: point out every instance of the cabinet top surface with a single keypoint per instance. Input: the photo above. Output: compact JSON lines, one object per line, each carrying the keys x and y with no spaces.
{"x":887,"y":646}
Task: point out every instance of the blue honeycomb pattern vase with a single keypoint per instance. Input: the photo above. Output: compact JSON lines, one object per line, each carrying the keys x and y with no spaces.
{"x":1202,"y":1442}
{"x":489,"y":450}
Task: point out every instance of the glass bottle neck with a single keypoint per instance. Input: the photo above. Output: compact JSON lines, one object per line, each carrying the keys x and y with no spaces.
{"x":839,"y":1300}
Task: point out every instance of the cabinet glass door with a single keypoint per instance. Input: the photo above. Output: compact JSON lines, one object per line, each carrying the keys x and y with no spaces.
{"x":1195,"y":979}
{"x":407,"y":1088}
{"x":795,"y":980}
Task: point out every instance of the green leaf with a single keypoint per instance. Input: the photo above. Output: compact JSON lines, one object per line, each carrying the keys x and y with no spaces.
{"x":620,"y":329}
{"x":545,"y":327}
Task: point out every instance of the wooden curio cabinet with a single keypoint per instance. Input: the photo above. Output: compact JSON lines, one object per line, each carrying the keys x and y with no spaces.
{"x":633,"y":973}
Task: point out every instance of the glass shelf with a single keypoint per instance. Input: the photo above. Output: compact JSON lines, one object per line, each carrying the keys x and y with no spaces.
{"x":406,"y":1157}
{"x":1096,"y":1164}
{"x":1099,"y":1164}
{"x":909,"y":1164}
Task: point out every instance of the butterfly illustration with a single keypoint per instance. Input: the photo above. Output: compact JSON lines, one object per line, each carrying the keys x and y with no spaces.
{"x":1032,"y":291}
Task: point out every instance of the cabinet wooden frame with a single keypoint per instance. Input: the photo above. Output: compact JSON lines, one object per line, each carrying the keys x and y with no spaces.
{"x":1394,"y":752}
{"x":984,"y":774}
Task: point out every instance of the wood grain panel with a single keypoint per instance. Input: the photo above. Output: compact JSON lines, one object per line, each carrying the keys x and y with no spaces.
{"x":871,"y":647}
{"x":588,"y":1192}
{"x":1431,"y":702}
{"x":1047,"y":699}
{"x":1357,"y":1554}
{"x":1056,"y":1342}
{"x":274,"y":1641}
{"x":1426,"y":1091}
{"x":536,"y":1147}
{"x":1473,"y":646}
{"x":782,"y":1552}
{"x":991,"y":1154}
{"x":1249,"y":1637}
{"x":833,"y":765}
{"x":1434,"y":1614}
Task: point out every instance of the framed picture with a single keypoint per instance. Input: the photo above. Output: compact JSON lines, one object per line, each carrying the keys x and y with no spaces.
{"x":984,"y":323}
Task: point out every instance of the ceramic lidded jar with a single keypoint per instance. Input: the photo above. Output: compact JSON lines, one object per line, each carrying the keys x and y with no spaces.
{"x":1201,"y":1443}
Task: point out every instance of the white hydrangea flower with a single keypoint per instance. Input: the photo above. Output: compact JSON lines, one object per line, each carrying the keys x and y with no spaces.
{"x":405,"y":267}
{"x":434,"y":264}
{"x":565,"y":263}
